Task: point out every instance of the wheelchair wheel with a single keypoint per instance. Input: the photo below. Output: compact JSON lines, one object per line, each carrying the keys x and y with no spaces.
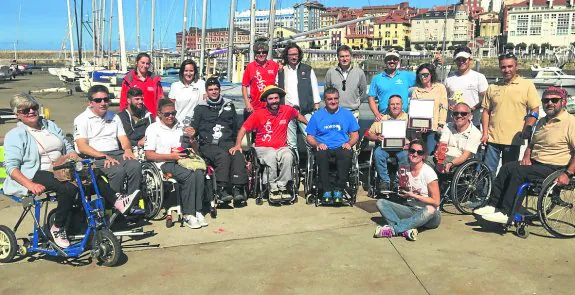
{"x":353,"y":185}
{"x":471,"y":186}
{"x":107,"y":247}
{"x":253,"y":179}
{"x":555,"y":207}
{"x":309,"y":175}
{"x":370,"y":186}
{"x":522,"y":231}
{"x":8,"y":244}
{"x":153,"y":191}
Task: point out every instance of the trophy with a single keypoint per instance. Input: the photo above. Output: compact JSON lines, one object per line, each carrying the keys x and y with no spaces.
{"x":440,"y":155}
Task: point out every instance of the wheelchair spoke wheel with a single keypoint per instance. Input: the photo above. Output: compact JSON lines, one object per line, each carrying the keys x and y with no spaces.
{"x":471,"y":186}
{"x":556,"y":209}
{"x":153,"y":188}
{"x":107,"y":247}
{"x":8,"y":244}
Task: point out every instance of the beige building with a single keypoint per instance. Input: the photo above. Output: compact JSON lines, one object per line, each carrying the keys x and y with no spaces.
{"x":489,"y":24}
{"x":541,"y":21}
{"x":428,"y":28}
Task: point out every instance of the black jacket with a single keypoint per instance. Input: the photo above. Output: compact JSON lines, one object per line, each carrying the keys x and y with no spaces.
{"x":214,"y":125}
{"x":135,"y":130}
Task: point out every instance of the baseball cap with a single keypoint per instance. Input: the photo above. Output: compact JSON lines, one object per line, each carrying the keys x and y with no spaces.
{"x":391,"y":53}
{"x":462,"y":51}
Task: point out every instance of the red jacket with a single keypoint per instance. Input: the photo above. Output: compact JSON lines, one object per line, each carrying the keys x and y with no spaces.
{"x":151,"y":87}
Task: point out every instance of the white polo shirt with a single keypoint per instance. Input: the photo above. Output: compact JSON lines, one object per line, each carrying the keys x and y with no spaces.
{"x":161,"y":138}
{"x":102,"y":133}
{"x":457,"y":143}
{"x":187,"y":98}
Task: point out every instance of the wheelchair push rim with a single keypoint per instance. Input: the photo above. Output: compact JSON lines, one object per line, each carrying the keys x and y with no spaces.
{"x":8,"y":244}
{"x":556,"y":209}
{"x":153,"y":196}
{"x":471,"y":186}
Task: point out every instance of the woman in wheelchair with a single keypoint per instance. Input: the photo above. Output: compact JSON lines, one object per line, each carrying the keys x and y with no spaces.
{"x":419,"y":186}
{"x":164,"y":140}
{"x":31,"y":148}
{"x":552,"y":148}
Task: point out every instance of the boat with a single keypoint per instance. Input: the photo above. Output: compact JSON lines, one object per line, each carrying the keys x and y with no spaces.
{"x":551,"y":76}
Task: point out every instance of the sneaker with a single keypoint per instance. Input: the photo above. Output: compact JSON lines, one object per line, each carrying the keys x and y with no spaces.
{"x":201,"y":220}
{"x":385,"y":231}
{"x":384,"y":187}
{"x":326,"y":197}
{"x":410,"y":234}
{"x":60,"y":237}
{"x":124,"y":202}
{"x":224,"y":195}
{"x":192,"y":222}
{"x":497,"y":217}
{"x":286,"y":196}
{"x":337,"y":197}
{"x":484,"y":210}
{"x":275,"y":196}
{"x":238,"y":195}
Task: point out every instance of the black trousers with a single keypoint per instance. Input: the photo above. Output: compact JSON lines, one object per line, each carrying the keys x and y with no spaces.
{"x":65,"y":194}
{"x":229,"y":169}
{"x":343,"y":163}
{"x":511,"y":176}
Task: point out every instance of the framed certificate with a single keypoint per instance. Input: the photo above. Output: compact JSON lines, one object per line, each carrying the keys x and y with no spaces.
{"x":420,"y":113}
{"x":394,"y":134}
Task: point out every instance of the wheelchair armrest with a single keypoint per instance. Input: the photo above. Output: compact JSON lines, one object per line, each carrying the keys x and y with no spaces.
{"x":247,"y":142}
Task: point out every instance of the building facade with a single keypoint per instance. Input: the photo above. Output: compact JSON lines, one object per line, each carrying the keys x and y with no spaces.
{"x":216,"y":38}
{"x":392,"y":31}
{"x":428,"y":28}
{"x":307,"y":15}
{"x":489,"y":24}
{"x":283,"y":18}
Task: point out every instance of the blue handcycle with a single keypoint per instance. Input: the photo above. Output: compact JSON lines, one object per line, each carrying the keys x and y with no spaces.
{"x":103,"y":244}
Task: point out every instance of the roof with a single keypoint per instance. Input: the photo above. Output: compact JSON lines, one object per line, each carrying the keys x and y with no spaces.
{"x":540,"y":3}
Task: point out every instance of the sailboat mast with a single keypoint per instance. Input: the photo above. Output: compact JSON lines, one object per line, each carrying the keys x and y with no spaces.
{"x":138,"y":25}
{"x":94,"y":30}
{"x":231,"y":40}
{"x":123,"y":59}
{"x":152,"y":30}
{"x":203,"y":40}
{"x":110,"y":34}
{"x":70,"y":32}
{"x":271,"y":28}
{"x":184,"y":31}
{"x":252,"y":29}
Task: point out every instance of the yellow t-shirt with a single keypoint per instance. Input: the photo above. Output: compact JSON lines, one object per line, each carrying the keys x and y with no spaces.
{"x":440,"y":105}
{"x":554,"y":140}
{"x":508,"y":104}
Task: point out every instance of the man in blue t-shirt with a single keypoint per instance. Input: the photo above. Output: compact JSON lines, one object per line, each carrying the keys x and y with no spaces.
{"x":333,"y":131}
{"x":389,"y":82}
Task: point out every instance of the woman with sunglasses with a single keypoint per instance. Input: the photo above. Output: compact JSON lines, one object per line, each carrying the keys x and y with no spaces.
{"x":30,"y":149}
{"x":421,"y":192}
{"x":188,"y":92}
{"x":427,"y":87}
{"x":141,"y":77}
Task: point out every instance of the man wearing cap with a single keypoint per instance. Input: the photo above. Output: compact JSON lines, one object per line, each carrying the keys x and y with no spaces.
{"x":506,"y":105}
{"x":466,"y":85}
{"x":333,"y":131}
{"x":258,"y":74}
{"x":350,"y":81}
{"x":270,"y":125}
{"x":552,"y":148}
{"x":391,"y":81}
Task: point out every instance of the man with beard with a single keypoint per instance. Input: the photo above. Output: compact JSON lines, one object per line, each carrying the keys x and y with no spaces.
{"x":552,"y":148}
{"x":135,"y":118}
{"x":333,"y":131}
{"x":270,"y":125}
{"x":215,"y":125}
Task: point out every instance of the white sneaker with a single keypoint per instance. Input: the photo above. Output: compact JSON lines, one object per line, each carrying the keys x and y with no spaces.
{"x":192,"y":222}
{"x":497,"y":217}
{"x":484,"y":210}
{"x":201,"y":220}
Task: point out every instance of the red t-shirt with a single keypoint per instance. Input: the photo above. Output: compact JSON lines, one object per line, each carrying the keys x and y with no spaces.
{"x":271,"y":129}
{"x":257,"y":77}
{"x":151,"y":87}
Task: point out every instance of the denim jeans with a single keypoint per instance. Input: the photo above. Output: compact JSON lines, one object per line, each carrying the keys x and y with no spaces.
{"x":507,"y":153}
{"x":430,"y":141}
{"x":402,"y":218}
{"x":381,"y":157}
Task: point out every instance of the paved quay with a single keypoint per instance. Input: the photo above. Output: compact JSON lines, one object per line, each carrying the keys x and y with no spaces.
{"x":297,"y":249}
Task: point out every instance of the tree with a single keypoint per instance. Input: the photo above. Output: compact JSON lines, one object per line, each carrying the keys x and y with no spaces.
{"x":545,"y":46}
{"x":534,"y":48}
{"x":521,"y":46}
{"x":398,"y":48}
{"x":509,"y":46}
{"x":430,"y":47}
{"x":418,"y":47}
{"x":573,"y":44}
{"x":450,"y":47}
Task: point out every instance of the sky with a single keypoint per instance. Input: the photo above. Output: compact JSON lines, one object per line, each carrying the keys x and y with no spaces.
{"x":42,"y":24}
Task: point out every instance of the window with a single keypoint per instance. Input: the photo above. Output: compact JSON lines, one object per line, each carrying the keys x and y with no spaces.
{"x":563,"y":24}
{"x":387,"y":34}
{"x":573,"y":24}
{"x":535,"y":29}
{"x":522,"y":25}
{"x":394,"y":41}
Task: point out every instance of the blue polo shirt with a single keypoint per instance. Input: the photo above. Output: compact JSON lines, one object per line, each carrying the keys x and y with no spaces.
{"x":383,"y":86}
{"x":332,"y":129}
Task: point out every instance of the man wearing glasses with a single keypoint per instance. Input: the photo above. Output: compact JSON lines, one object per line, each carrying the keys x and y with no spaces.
{"x":466,"y":85}
{"x":552,"y":148}
{"x":389,"y":82}
{"x":258,"y":74}
{"x":300,"y":83}
{"x":98,"y":132}
{"x":506,"y":105}
{"x":348,"y":80}
{"x":135,"y":118}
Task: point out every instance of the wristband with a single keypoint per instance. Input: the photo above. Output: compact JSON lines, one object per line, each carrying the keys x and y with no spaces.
{"x":569,"y":174}
{"x":532,"y":114}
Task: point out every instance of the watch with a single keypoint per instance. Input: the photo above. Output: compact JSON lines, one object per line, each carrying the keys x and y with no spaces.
{"x":569,"y":174}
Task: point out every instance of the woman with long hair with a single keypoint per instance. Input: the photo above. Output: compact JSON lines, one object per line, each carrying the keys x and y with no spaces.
{"x":141,"y":77}
{"x":188,"y":92}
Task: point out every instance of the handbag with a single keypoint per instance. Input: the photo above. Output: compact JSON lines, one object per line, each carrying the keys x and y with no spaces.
{"x":193,"y":162}
{"x":62,"y":175}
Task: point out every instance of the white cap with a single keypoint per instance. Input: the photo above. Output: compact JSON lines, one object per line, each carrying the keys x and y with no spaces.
{"x":462,"y":54}
{"x":391,"y":53}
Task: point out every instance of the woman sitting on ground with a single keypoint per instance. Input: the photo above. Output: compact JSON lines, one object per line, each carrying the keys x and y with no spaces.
{"x":422,"y":193}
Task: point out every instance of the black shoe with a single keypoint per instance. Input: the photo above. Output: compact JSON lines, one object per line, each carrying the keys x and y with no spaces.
{"x":384,"y":187}
{"x":225,"y":195}
{"x":238,"y":193}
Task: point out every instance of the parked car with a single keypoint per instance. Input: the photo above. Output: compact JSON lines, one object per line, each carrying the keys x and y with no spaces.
{"x":5,"y":73}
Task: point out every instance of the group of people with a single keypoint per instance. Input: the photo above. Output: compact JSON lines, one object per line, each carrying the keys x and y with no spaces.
{"x":195,"y":127}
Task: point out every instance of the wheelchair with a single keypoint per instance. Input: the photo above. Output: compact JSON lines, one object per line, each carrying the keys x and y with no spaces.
{"x":259,"y":190}
{"x":311,"y":181}
{"x":105,"y":246}
{"x":555,"y":207}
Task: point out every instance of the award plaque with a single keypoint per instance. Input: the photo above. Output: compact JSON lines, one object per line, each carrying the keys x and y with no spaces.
{"x":394,"y":134}
{"x":420,"y":113}
{"x":403,"y":178}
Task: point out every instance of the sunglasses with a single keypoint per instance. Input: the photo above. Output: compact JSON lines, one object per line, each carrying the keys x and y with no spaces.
{"x":553,"y":100}
{"x":461,"y":59}
{"x":507,"y":55}
{"x":99,"y":100}
{"x":424,"y":75}
{"x":168,"y":114}
{"x":343,"y":85}
{"x":261,"y":52}
{"x":463,"y":114}
{"x":27,"y":110}
{"x":414,"y":151}
{"x":393,"y":59}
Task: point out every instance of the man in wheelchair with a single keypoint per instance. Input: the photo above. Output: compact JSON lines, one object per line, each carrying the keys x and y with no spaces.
{"x":552,"y":148}
{"x":461,"y":138}
{"x":381,"y":155}
{"x":333,"y":131}
{"x":136,"y":118}
{"x":271,"y":147}
{"x":215,"y":124}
